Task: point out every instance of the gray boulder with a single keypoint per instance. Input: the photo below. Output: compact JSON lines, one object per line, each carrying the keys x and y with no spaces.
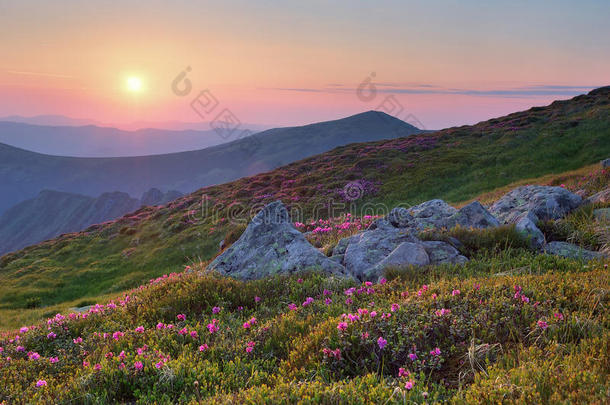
{"x":367,"y":249}
{"x":405,"y":254}
{"x":441,"y":252}
{"x":525,"y":224}
{"x":601,"y":197}
{"x":569,"y":250}
{"x":544,"y":201}
{"x":271,"y":245}
{"x":430,"y":214}
{"x":605,"y":163}
{"x":473,"y":215}
{"x":602,"y":214}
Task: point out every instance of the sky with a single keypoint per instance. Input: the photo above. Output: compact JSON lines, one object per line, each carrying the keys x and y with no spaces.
{"x":277,"y":63}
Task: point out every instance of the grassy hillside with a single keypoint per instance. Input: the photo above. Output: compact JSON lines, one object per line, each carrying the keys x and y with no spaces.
{"x":23,"y":174}
{"x":509,"y":327}
{"x":455,"y":164}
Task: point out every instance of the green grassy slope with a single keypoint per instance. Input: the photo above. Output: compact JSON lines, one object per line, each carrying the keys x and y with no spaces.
{"x":454,"y":164}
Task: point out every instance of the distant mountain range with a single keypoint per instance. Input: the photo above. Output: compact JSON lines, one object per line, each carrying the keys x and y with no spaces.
{"x":53,"y":213}
{"x":96,"y":141}
{"x":23,"y":174}
{"x":63,"y":121}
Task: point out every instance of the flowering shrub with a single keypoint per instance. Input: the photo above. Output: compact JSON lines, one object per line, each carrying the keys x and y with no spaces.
{"x":193,"y":338}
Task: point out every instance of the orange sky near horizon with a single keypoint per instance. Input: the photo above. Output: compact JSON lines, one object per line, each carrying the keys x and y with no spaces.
{"x":285,"y":63}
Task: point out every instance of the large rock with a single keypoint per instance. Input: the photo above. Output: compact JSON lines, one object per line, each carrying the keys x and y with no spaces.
{"x":601,"y":197}
{"x":569,"y":250}
{"x":473,"y":215}
{"x":602,"y":214}
{"x":543,"y":201}
{"x":430,"y":214}
{"x":605,"y":163}
{"x":271,"y":245}
{"x":442,"y":252}
{"x":525,"y":224}
{"x":405,"y":254}
{"x":367,"y":249}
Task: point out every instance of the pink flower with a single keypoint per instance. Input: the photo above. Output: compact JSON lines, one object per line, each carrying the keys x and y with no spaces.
{"x":246,"y":325}
{"x":558,"y":316}
{"x":97,"y":367}
{"x":212,"y":327}
{"x":215,"y":310}
{"x":181,"y":317}
{"x":160,"y":326}
{"x":51,"y":335}
{"x":257,"y":299}
{"x":203,"y":347}
{"x":394,"y":307}
{"x":383,"y":281}
{"x":455,"y":292}
{"x":300,"y":281}
{"x":326,"y":292}
{"x":85,"y":363}
{"x":443,"y":311}
{"x":117,"y":335}
{"x":348,"y":301}
{"x":435,"y":352}
{"x":138,"y":365}
{"x":292,"y":307}
{"x":20,"y":349}
{"x":193,"y":334}
{"x":122,"y":355}
{"x":159,"y":364}
{"x":53,"y":360}
{"x":250,"y":347}
{"x":342,"y":326}
{"x":412,"y":356}
{"x":109,"y":355}
{"x":33,"y":356}
{"x":140,"y":329}
{"x":402,"y":372}
{"x":409,"y":385}
{"x":381,"y":342}
{"x":23,"y":329}
{"x":41,"y":383}
{"x":307,"y":301}
{"x":373,"y":314}
{"x":542,"y":324}
{"x":328,"y":301}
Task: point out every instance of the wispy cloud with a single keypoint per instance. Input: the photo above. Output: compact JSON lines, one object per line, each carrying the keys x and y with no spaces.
{"x":43,"y":74}
{"x":511,"y":92}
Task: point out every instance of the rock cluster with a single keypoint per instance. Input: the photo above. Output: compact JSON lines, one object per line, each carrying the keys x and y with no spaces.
{"x":271,"y":244}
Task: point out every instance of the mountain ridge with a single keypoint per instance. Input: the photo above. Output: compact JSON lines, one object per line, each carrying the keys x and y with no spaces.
{"x":24,"y":173}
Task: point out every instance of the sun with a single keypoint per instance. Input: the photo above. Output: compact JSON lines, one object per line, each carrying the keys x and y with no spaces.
{"x":134,"y":84}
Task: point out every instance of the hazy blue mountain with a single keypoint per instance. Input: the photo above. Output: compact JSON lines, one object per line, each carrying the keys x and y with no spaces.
{"x":52,"y":213}
{"x":23,"y":174}
{"x":96,"y":141}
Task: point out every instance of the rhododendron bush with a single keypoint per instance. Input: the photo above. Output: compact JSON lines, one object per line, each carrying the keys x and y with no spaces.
{"x":190,"y":337}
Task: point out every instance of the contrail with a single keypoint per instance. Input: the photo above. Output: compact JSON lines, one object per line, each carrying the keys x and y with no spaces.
{"x":17,"y":72}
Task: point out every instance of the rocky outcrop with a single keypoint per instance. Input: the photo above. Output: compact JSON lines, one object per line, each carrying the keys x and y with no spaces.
{"x":571,"y":251}
{"x":602,"y":214}
{"x":271,"y":245}
{"x":442,"y":252}
{"x":367,"y":249}
{"x":605,"y":163}
{"x":154,"y":196}
{"x":601,"y":197}
{"x":543,"y":201}
{"x":473,"y":215}
{"x":525,"y":224}
{"x":525,"y":206}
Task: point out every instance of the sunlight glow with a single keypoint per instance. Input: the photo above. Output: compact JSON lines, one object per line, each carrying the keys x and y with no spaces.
{"x":134,"y":84}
